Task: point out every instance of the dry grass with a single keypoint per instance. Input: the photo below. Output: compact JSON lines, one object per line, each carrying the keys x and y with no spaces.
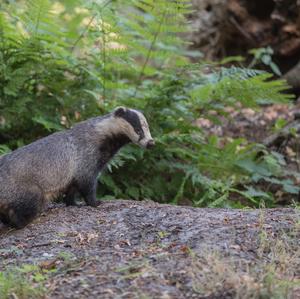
{"x":274,"y":273}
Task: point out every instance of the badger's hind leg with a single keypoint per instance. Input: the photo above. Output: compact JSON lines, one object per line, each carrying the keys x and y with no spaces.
{"x":4,"y":218}
{"x":20,"y":214}
{"x":23,"y":210}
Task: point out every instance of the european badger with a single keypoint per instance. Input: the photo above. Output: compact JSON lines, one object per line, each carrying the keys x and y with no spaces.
{"x":65,"y":163}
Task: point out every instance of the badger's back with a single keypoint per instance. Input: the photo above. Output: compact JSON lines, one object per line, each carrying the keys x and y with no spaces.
{"x":47,"y":163}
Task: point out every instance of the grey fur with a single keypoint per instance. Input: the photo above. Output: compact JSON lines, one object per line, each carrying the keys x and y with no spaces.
{"x":64,"y":163}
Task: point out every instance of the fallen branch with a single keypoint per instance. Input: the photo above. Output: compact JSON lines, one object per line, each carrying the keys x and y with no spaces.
{"x":284,"y":135}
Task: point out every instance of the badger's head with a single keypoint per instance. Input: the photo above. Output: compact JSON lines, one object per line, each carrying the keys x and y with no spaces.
{"x":134,"y":125}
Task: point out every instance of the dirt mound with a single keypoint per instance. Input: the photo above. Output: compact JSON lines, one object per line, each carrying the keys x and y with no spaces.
{"x":127,"y":249}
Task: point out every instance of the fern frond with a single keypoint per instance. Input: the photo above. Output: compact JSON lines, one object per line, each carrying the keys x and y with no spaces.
{"x":249,"y":88}
{"x":234,"y":72}
{"x":153,"y":28}
{"x":38,"y":19}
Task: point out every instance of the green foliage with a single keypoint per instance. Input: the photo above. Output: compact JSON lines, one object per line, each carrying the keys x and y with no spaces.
{"x":245,"y":86}
{"x":264,"y":56}
{"x":23,"y":282}
{"x":39,"y":80}
{"x":56,"y":72}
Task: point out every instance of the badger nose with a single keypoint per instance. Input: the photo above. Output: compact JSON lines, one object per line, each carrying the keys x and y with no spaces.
{"x":150,"y":143}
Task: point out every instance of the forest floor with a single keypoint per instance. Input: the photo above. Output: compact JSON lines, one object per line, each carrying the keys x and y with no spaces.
{"x":255,"y":125}
{"x":129,"y":249}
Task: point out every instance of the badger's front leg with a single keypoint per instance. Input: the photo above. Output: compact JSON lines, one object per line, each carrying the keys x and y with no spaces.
{"x":70,"y":198}
{"x":87,"y":190}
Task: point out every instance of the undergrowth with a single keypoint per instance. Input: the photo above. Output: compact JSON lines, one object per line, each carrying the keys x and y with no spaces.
{"x":22,"y":282}
{"x":62,"y":63}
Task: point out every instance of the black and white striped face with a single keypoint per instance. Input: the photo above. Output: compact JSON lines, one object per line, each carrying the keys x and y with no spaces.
{"x":135,"y":126}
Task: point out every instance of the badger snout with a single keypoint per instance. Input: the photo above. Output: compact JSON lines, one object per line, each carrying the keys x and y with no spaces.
{"x":150,"y":144}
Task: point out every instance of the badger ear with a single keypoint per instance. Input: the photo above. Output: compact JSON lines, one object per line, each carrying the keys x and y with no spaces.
{"x":119,"y":111}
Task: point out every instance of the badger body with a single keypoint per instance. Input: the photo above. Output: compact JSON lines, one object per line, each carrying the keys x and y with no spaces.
{"x":65,"y":163}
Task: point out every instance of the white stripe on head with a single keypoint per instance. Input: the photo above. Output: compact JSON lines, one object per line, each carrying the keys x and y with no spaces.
{"x":114,"y":125}
{"x":145,"y":128}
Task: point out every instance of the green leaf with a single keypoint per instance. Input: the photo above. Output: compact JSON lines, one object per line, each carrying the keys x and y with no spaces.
{"x":133,"y":192}
{"x":275,"y":69}
{"x":47,"y":124}
{"x":252,"y":192}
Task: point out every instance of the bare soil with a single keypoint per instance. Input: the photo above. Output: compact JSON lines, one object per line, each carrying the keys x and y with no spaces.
{"x":129,"y":249}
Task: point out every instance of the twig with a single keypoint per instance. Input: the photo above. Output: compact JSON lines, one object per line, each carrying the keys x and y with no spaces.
{"x":149,"y":53}
{"x":283,"y":135}
{"x":83,"y":33}
{"x":41,"y":244}
{"x":103,"y":57}
{"x":88,"y":25}
{"x":241,"y":29}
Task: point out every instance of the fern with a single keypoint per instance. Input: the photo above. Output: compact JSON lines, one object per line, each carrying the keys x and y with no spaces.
{"x":151,"y":30}
{"x":249,"y":88}
{"x":38,"y":19}
{"x":164,"y":21}
{"x":142,"y":31}
{"x":237,"y":73}
{"x":33,"y":80}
